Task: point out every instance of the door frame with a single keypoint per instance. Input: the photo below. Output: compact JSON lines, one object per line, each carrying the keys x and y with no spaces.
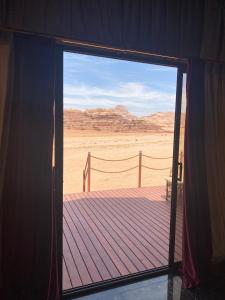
{"x":176,"y":143}
{"x":128,"y":55}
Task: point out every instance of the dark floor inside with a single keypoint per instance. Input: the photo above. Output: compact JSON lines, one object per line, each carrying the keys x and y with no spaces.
{"x":161,"y":288}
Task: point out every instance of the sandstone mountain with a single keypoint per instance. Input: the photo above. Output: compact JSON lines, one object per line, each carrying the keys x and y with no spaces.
{"x":117,"y":119}
{"x":163,"y":119}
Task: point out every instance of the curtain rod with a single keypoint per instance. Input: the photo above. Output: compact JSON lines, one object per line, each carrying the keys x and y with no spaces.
{"x":122,"y":50}
{"x":64,"y":41}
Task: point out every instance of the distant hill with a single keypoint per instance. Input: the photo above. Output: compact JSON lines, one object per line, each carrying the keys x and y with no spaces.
{"x":164,"y":119}
{"x":117,"y":119}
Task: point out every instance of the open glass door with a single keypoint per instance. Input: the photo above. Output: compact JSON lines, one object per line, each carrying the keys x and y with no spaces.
{"x":176,"y":223}
{"x":118,"y":230}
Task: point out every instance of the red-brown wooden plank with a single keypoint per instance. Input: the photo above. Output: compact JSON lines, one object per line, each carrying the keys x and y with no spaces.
{"x":126,"y":236}
{"x":139,"y":230}
{"x":92,"y":244}
{"x":70,"y":264}
{"x":88,"y":259}
{"x":67,"y":284}
{"x":136,"y":231}
{"x":77,"y":255}
{"x":162,"y":209}
{"x":112,"y":233}
{"x":148,"y":217}
{"x":118,"y":264}
{"x":108,"y":235}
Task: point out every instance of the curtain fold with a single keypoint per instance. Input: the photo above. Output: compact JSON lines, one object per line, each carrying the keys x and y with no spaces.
{"x":213,"y":36}
{"x":6,"y":61}
{"x":215,"y":153}
{"x":28,"y":227}
{"x":197,"y":246}
{"x":204,"y":188}
{"x":6,"y":70}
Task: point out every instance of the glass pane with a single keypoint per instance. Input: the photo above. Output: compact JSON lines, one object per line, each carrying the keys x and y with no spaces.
{"x":118,"y":145}
{"x":179,"y":212}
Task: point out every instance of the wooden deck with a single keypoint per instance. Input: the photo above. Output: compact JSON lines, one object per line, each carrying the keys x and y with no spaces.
{"x":109,"y":234}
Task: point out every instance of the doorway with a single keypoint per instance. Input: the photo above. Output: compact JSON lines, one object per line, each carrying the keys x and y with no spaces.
{"x":120,"y":170}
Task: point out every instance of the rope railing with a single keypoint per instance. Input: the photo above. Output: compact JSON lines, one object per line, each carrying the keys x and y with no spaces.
{"x":152,"y":157}
{"x":99,"y":158}
{"x":113,"y":172}
{"x":156,"y":169}
{"x":88,"y":168}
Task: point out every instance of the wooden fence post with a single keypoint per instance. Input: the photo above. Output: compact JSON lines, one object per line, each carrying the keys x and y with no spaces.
{"x":84,"y":180}
{"x":89,"y":171}
{"x":139,"y":169}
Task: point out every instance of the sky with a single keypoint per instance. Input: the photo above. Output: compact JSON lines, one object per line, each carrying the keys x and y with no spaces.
{"x":97,"y":82}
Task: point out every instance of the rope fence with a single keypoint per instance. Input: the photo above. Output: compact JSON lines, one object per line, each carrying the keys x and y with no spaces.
{"x":113,"y":172}
{"x":98,"y":158}
{"x":88,"y":167}
{"x":156,"y":169}
{"x":152,"y":157}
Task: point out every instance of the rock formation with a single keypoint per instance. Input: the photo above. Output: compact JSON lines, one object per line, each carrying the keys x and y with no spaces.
{"x":117,"y":119}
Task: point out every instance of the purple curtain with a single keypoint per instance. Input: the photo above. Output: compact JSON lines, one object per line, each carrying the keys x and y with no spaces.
{"x":28,"y":233}
{"x":197,"y":247}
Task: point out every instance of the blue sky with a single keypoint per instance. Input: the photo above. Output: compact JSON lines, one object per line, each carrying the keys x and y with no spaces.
{"x":96,"y":82}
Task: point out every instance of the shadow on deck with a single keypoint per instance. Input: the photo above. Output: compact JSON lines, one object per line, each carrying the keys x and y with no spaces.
{"x":108,"y":234}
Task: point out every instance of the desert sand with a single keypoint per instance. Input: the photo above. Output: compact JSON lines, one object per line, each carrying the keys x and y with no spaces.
{"x":117,"y":144}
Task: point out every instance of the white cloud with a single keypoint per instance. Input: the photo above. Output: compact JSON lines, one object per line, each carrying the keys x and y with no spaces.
{"x":89,"y":102}
{"x":127,"y":90}
{"x":138,"y":98}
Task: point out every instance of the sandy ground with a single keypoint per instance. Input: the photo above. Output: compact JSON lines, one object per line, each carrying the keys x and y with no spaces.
{"x":77,"y":144}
